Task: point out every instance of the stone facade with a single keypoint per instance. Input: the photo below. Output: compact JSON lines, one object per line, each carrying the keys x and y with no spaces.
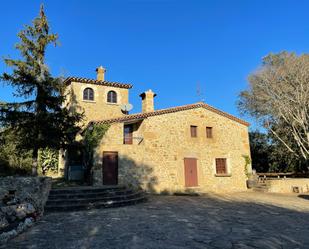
{"x":98,"y":108}
{"x":162,"y":140}
{"x":155,"y":160}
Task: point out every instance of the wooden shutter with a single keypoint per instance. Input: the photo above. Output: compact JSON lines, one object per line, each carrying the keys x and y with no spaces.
{"x":221,"y":166}
{"x":193,"y":130}
{"x":91,"y":94}
{"x":128,"y":134}
{"x":112,"y":97}
{"x":209,"y":132}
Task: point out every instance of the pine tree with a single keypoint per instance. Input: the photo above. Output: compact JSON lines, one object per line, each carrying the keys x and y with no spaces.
{"x":41,"y":120}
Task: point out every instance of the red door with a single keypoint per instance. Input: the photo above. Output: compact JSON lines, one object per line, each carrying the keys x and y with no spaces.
{"x":110,"y":168}
{"x":190,"y":172}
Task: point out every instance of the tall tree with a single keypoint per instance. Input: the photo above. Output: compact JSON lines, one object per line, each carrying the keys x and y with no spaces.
{"x":41,"y":120}
{"x":278,"y":97}
{"x":260,"y":151}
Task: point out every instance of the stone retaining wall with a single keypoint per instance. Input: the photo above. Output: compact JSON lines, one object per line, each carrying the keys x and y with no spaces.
{"x":286,"y":185}
{"x":22,"y":201}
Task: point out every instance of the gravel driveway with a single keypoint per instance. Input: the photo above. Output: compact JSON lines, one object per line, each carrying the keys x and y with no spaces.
{"x":241,"y":220}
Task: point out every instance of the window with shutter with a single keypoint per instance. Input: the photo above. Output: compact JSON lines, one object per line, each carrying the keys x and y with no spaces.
{"x":193,"y":130}
{"x":221,"y":168}
{"x":112,"y":97}
{"x":128,"y":134}
{"x":88,"y":94}
{"x":209,"y":132}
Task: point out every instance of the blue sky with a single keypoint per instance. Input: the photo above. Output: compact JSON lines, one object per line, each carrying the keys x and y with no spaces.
{"x":167,"y":46}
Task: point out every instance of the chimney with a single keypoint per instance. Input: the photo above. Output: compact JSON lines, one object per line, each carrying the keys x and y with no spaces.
{"x":147,"y":101}
{"x":100,"y":73}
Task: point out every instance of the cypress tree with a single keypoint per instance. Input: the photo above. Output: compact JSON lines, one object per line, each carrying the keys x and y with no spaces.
{"x":40,"y":120}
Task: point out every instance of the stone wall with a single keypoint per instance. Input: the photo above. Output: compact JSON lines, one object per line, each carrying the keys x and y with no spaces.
{"x":155,"y":160}
{"x":285,"y":185}
{"x":22,"y":201}
{"x":99,"y":108}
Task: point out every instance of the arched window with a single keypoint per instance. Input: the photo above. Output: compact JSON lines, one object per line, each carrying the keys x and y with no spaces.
{"x":88,"y":94}
{"x":112,"y":97}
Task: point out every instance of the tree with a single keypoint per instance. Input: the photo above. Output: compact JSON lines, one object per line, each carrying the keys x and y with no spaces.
{"x":40,"y":120}
{"x":260,"y":151}
{"x":278,"y":97}
{"x":270,"y":155}
{"x":13,"y":160}
{"x":92,"y":136}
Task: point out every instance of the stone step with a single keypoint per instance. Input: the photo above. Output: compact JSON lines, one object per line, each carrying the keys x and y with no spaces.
{"x":81,"y":195}
{"x":73,"y":190}
{"x":84,"y":198}
{"x":260,"y":189}
{"x":101,"y":204}
{"x":87,"y":199}
{"x":261,"y":186}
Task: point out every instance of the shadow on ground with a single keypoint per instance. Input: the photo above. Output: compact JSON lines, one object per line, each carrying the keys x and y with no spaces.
{"x":306,"y":197}
{"x":173,"y":222}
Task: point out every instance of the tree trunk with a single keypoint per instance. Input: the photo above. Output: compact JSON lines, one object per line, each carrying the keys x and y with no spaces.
{"x":35,"y":162}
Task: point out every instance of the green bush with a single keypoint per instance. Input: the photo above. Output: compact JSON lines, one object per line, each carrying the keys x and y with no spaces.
{"x":13,"y":160}
{"x":48,"y":160}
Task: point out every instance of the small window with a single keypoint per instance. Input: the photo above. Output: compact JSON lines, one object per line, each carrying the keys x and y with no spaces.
{"x":193,"y":130}
{"x":112,"y":97}
{"x":221,"y":168}
{"x":88,"y":94}
{"x":128,"y":134}
{"x":209,"y":132}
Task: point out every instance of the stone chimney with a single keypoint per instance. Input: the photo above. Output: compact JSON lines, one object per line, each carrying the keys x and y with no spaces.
{"x":100,"y":73}
{"x":147,"y":101}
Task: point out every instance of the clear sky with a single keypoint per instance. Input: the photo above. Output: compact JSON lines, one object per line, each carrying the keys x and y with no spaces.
{"x":167,"y":46}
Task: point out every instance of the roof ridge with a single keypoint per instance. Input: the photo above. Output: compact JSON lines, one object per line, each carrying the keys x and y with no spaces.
{"x":70,"y":79}
{"x":170,"y":110}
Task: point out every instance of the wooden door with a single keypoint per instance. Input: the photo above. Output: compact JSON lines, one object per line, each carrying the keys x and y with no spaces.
{"x":128,"y":134}
{"x":110,"y":168}
{"x":190,"y":172}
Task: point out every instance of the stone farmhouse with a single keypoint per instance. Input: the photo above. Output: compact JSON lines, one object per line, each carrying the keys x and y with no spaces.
{"x":194,"y":147}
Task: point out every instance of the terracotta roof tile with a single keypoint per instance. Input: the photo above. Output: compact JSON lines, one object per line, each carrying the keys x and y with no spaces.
{"x":96,"y":82}
{"x":137,"y":116}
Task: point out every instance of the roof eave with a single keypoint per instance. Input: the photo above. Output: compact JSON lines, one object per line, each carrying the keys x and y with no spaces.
{"x":69,"y":80}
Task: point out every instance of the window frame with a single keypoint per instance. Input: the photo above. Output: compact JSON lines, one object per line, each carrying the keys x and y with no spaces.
{"x":88,"y":94}
{"x":193,"y":131}
{"x":112,"y":97}
{"x":128,"y":136}
{"x":226,"y":168}
{"x":209,"y":132}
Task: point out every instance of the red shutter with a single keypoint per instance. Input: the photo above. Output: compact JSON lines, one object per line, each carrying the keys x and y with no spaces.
{"x":128,"y":134}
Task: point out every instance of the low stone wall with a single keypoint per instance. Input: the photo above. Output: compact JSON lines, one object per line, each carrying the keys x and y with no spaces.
{"x":22,"y":201}
{"x":286,"y":185}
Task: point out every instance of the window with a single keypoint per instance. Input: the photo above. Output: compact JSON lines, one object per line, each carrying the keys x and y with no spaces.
{"x":209,"y":132}
{"x":193,"y":130}
{"x":112,"y":97}
{"x":88,"y":94}
{"x":221,"y":168}
{"x":128,"y":134}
